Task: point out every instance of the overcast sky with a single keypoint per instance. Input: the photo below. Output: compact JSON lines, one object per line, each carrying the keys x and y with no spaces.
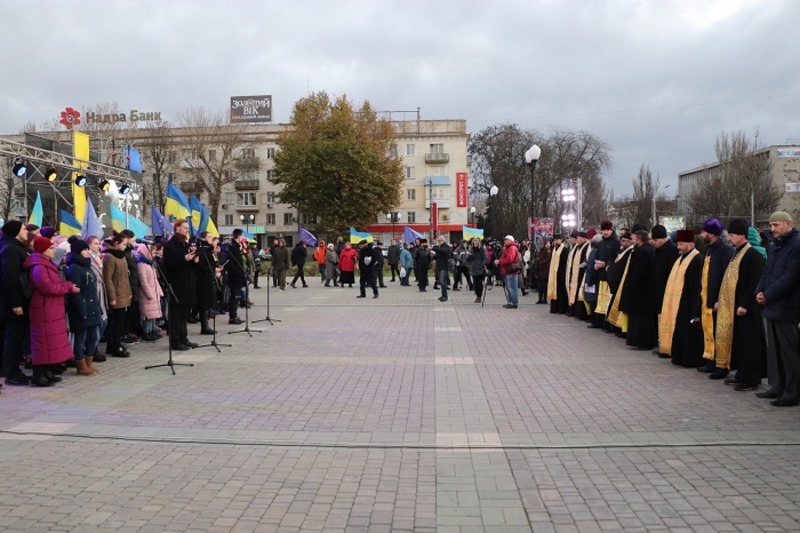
{"x":657,"y":80}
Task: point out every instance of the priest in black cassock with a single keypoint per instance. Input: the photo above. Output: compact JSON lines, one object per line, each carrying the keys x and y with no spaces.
{"x":616,"y":321}
{"x":638,"y":298}
{"x":739,"y":337}
{"x":556,"y":281}
{"x":679,"y":333}
{"x":577,"y":271}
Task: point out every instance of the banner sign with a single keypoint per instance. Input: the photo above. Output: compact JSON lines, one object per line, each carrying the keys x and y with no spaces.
{"x":434,"y":219}
{"x":461,"y":189}
{"x":251,"y":109}
{"x":543,"y":226}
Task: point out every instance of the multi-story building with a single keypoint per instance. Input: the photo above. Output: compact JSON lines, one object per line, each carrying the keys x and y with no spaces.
{"x":435,"y":193}
{"x":785,"y":174}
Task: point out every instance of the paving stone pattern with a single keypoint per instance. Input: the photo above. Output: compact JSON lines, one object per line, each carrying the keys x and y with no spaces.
{"x":397,"y":414}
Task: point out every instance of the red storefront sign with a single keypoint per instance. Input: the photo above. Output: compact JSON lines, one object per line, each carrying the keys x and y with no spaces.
{"x":461,"y":189}
{"x":434,"y":219}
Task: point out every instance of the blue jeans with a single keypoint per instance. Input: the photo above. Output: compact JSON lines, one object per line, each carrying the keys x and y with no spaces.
{"x":85,"y":342}
{"x":443,"y":281}
{"x":322,"y":272}
{"x":512,"y":289}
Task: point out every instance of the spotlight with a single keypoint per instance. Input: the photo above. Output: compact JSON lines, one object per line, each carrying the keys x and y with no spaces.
{"x":103,"y":185}
{"x":80,"y":180}
{"x":20,"y":168}
{"x":124,"y":188}
{"x":51,"y":175}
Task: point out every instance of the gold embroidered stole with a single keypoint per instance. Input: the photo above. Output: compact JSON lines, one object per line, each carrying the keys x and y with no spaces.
{"x":575,"y":272}
{"x":672,"y":301}
{"x":568,"y":272}
{"x":552,"y":280}
{"x":727,"y":310}
{"x":615,"y":316}
{"x":706,"y":313}
{"x":603,"y":298}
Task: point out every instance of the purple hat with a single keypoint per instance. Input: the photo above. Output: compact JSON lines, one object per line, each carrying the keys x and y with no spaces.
{"x":713,"y":226}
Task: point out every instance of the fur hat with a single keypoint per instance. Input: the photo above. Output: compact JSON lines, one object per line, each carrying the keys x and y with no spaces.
{"x":713,"y":226}
{"x":41,"y":244}
{"x":738,"y":226}
{"x":685,"y":235}
{"x":606,"y":224}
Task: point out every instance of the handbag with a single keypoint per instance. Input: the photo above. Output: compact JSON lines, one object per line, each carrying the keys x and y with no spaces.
{"x":403,"y":272}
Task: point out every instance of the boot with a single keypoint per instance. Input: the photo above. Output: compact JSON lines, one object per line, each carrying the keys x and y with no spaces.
{"x":98,"y":357}
{"x":83,"y":368}
{"x":89,"y":360}
{"x":39,"y":379}
{"x":50,"y":372}
{"x":205,"y":329}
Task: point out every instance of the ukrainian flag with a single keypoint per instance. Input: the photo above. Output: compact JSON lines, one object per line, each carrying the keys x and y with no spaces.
{"x":177,"y":204}
{"x":37,"y":214}
{"x":199,"y":215}
{"x":212,"y":228}
{"x":120,"y":221}
{"x":471,"y":233}
{"x":68,"y":224}
{"x":358,"y":236}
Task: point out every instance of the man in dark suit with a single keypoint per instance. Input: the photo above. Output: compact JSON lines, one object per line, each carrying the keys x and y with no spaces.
{"x":180,"y":260}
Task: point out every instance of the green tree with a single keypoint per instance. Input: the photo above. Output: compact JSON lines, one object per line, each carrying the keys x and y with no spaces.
{"x":335,"y":163}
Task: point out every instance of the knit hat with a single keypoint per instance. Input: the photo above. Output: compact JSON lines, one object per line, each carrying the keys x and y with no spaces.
{"x":591,"y":233}
{"x":713,"y":226}
{"x":780,"y":216}
{"x":574,"y":234}
{"x":12,"y":228}
{"x":685,"y":235}
{"x":47,"y":231}
{"x":658,"y":232}
{"x":77,"y":245}
{"x":583,"y":234}
{"x":738,"y":226}
{"x":606,"y":224}
{"x":41,"y":244}
{"x":509,"y":238}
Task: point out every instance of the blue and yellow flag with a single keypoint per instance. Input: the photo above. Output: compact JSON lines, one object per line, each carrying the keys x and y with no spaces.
{"x":471,"y":233}
{"x":177,"y":204}
{"x":37,"y":214}
{"x":358,"y":236}
{"x":212,"y":228}
{"x":120,"y":221}
{"x":199,"y":221}
{"x":91,"y":223}
{"x":68,"y":225}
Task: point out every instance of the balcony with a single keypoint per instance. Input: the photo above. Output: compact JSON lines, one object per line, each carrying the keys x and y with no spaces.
{"x":191,"y":187}
{"x":437,"y":159}
{"x":441,"y":203}
{"x":246,"y":185}
{"x":246,"y":208}
{"x":248,"y":163}
{"x":192,"y":164}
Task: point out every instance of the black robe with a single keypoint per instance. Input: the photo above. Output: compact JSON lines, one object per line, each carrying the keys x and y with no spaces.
{"x":561,"y":304}
{"x":638,"y":298}
{"x":579,"y":308}
{"x":748,"y":346}
{"x":687,"y":339}
{"x":665,"y":258}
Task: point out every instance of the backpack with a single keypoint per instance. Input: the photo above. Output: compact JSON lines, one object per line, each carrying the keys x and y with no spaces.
{"x":26,"y":285}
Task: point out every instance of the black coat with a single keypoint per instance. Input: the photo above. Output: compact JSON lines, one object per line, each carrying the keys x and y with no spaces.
{"x":720,"y":254}
{"x":179,"y":272}
{"x":83,"y":308}
{"x":748,"y":347}
{"x":607,"y":250}
{"x":687,"y":340}
{"x":442,"y":257}
{"x":368,"y":259}
{"x":133,"y":273}
{"x":235,"y":267}
{"x":12,"y":255}
{"x":394,"y":254}
{"x":640,"y":283}
{"x":206,"y":277}
{"x":665,"y":258}
{"x":299,"y":255}
{"x":781,"y":278}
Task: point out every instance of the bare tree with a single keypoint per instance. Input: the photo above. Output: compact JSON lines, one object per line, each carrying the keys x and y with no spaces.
{"x":157,"y":148}
{"x":740,"y":184}
{"x":218,"y":153}
{"x":7,"y":186}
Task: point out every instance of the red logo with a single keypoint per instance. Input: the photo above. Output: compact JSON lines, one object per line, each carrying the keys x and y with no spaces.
{"x":70,"y":117}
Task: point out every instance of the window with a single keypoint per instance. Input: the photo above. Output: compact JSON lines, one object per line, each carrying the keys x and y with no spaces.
{"x":288,"y":219}
{"x":248,"y":175}
{"x":411,"y":150}
{"x":188,"y":153}
{"x":393,"y":150}
{"x":228,"y":198}
{"x":270,"y":197}
{"x":245,"y":198}
{"x":269,"y":175}
{"x":229,"y":220}
{"x":248,"y":153}
{"x":270,"y":153}
{"x":212,"y":155}
{"x":171,"y":177}
{"x":412,"y":217}
{"x":411,"y":194}
{"x":171,"y":156}
{"x":308,"y":219}
{"x":437,"y":148}
{"x":409,"y":173}
{"x":270,"y":219}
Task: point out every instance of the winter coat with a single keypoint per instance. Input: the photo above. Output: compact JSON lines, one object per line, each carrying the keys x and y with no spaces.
{"x":97,"y":270}
{"x":442,"y":257}
{"x":206,"y":274}
{"x":178,"y":271}
{"x":543,"y":257}
{"x":280,"y":258}
{"x":320,"y":254}
{"x":117,"y":280}
{"x":83,"y":308}
{"x":368,"y":260}
{"x":299,"y":255}
{"x":477,"y":260}
{"x":235,"y":267}
{"x":347,"y":260}
{"x":393,"y":256}
{"x":331,"y":260}
{"x":150,"y":292}
{"x":406,"y":261}
{"x":49,"y":341}
{"x":133,"y":274}
{"x":780,"y":279}
{"x":510,"y":255}
{"x":12,"y":257}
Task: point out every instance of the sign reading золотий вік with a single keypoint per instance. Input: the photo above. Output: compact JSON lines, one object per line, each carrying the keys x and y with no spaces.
{"x":251,"y":108}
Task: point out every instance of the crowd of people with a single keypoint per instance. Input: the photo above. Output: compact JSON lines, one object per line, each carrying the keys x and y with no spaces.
{"x":62,"y":297}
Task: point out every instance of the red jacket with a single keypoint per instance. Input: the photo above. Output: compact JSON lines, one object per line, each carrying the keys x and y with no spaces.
{"x":49,"y":341}
{"x":510,"y":255}
{"x":347,"y":260}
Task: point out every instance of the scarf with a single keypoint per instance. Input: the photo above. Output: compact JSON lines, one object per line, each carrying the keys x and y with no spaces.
{"x":552,"y":280}
{"x":727,"y":310}
{"x":672,"y":301}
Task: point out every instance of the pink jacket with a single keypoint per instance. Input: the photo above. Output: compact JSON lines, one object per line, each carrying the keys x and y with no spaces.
{"x":47,"y":313}
{"x":150,"y":292}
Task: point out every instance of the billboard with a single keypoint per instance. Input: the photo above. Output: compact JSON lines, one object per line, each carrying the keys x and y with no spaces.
{"x":461,"y":189}
{"x":251,"y":109}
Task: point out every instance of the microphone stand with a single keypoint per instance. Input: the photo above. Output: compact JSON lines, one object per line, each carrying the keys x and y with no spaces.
{"x":213,"y":342}
{"x":268,"y":319}
{"x":246,"y":307}
{"x":170,"y":363}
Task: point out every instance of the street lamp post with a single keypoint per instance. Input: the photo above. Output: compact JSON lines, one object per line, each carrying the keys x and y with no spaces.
{"x":247,"y":220}
{"x":394,"y":218}
{"x":472,"y":215}
{"x":492,"y":193}
{"x":655,"y":194}
{"x":531,"y":158}
{"x":568,"y":197}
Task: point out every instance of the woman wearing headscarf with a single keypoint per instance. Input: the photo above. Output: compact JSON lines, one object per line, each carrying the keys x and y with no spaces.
{"x":49,"y":341}
{"x":83,"y":308}
{"x":331,"y":262}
